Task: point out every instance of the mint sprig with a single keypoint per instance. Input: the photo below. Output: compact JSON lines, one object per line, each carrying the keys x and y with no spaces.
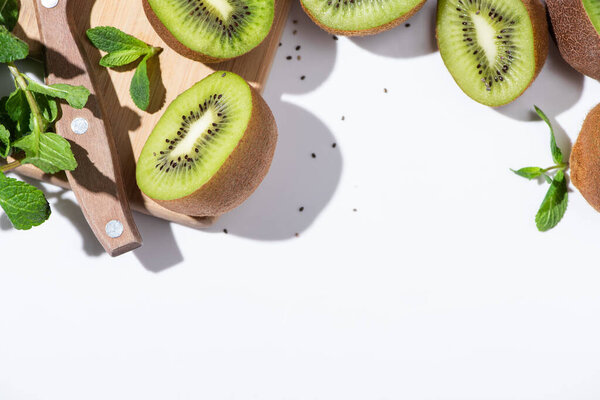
{"x":27,"y":120}
{"x":554,"y":205}
{"x":123,"y":49}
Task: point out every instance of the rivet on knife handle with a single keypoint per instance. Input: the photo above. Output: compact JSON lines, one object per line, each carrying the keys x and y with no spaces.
{"x":97,"y":181}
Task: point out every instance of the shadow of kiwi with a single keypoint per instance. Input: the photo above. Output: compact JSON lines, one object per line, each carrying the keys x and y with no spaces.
{"x":295,"y":180}
{"x":311,"y":51}
{"x":413,"y":38}
{"x":556,"y":89}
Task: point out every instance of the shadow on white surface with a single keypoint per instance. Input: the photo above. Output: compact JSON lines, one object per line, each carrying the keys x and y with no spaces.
{"x":159,"y":250}
{"x":305,"y":51}
{"x":414,"y":38}
{"x":71,"y":210}
{"x":5,"y":224}
{"x":557,"y":89}
{"x":61,"y":204}
{"x":295,"y":180}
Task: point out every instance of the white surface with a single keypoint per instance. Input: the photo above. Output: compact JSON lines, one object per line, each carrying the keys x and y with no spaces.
{"x":438,"y":287}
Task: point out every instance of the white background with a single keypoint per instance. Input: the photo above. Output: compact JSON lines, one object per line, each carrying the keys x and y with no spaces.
{"x":438,"y":287}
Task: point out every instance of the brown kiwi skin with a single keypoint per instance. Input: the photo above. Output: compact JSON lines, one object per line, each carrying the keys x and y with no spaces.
{"x":366,"y":32}
{"x":578,"y":40}
{"x":241,"y":173}
{"x":537,"y":14}
{"x":585,"y":159}
{"x":175,"y":44}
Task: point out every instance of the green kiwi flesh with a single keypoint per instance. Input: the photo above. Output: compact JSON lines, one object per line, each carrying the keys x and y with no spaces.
{"x":490,"y":46}
{"x":592,"y":8}
{"x":210,"y":149}
{"x":360,"y":17}
{"x":216,"y":29}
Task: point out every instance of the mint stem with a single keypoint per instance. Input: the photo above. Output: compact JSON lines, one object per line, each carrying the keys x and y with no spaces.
{"x":558,"y":166}
{"x":10,"y":166}
{"x":38,"y":119}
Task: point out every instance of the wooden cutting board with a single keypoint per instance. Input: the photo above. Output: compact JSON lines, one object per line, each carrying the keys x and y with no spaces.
{"x":170,"y":75}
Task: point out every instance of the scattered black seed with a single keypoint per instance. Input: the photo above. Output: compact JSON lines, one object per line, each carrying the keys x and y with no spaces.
{"x":225,"y":231}
{"x":335,"y":37}
{"x":407,"y":25}
{"x":294,"y":32}
{"x":295,"y":21}
{"x":301,"y":209}
{"x":297,"y":234}
{"x":354,"y":209}
{"x":385,"y":90}
{"x":298,"y":58}
{"x":334,"y":145}
{"x":313,"y":155}
{"x":288,"y":58}
{"x":297,"y":47}
{"x":302,"y":77}
{"x":343,"y":118}
{"x":279,"y":44}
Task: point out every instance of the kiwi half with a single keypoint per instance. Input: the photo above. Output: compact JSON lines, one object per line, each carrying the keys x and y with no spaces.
{"x":585,"y":159}
{"x":494,"y":49}
{"x":211,"y":148}
{"x":211,"y":30}
{"x":360,"y":17}
{"x":576,"y":26}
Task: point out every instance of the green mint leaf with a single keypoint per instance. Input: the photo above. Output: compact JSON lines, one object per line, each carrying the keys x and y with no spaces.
{"x":18,"y":110}
{"x":4,"y":142}
{"x":9,"y":13}
{"x":557,"y":155}
{"x":109,"y":39}
{"x":48,"y":106}
{"x":76,"y":96}
{"x":548,"y":179}
{"x":54,"y":154}
{"x":140,"y":85}
{"x":529,"y":172}
{"x":5,"y":119}
{"x":11,"y":47}
{"x":554,"y":205}
{"x":121,"y":57}
{"x":25,"y":205}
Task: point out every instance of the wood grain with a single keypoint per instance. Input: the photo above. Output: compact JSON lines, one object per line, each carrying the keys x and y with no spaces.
{"x":170,"y":74}
{"x":97,"y":181}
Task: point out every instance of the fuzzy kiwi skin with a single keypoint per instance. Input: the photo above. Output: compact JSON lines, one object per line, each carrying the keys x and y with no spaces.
{"x":366,"y":32}
{"x":175,"y":44}
{"x":537,"y":15}
{"x":585,"y":159}
{"x":578,"y":40}
{"x":241,"y":173}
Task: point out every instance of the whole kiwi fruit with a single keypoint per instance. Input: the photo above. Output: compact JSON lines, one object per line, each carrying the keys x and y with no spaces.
{"x":210,"y":149}
{"x":360,"y":17}
{"x":576,"y":25}
{"x":494,"y":49}
{"x":585,"y":159}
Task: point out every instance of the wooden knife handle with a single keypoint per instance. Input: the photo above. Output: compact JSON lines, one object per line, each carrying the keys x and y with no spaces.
{"x":97,"y":181}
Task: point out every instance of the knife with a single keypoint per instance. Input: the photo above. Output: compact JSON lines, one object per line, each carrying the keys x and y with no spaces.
{"x":97,"y":181}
